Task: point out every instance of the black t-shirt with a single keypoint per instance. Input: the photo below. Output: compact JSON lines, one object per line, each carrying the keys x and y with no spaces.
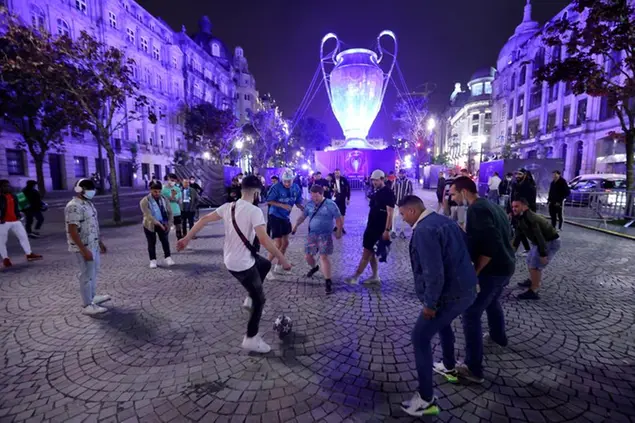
{"x":489,"y":234}
{"x":379,"y":201}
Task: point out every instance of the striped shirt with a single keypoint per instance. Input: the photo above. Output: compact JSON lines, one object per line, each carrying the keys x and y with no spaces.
{"x":402,"y":188}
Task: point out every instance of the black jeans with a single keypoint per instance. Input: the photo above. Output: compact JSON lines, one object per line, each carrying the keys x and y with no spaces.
{"x":252,"y":281}
{"x":188,"y":219}
{"x":178,"y":226}
{"x":152,"y":242}
{"x":30,"y":216}
{"x":555,"y":211}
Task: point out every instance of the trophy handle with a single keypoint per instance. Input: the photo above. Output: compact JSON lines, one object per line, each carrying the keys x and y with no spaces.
{"x":381,"y":50}
{"x":328,"y":58}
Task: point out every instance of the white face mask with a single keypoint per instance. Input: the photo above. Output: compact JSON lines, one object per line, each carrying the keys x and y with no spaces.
{"x":89,"y":194}
{"x":171,"y":183}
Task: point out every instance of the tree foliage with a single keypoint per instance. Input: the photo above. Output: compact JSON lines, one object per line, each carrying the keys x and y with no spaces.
{"x":309,"y":135}
{"x":32,"y":99}
{"x":410,"y":114}
{"x":599,"y":39}
{"x":99,"y":78}
{"x":266,"y":134}
{"x":214,"y":129}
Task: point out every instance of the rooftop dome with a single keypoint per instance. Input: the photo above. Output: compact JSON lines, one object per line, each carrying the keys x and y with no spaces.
{"x":487,"y":72}
{"x":524,"y":31}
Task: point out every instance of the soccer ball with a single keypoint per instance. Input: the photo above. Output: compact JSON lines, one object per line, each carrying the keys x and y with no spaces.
{"x":282,"y":325}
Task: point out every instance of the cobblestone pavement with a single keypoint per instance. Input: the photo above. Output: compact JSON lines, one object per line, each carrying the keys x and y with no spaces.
{"x":169,"y":348}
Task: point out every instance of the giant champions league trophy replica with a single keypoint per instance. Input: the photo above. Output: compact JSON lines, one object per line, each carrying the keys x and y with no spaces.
{"x":356,"y":85}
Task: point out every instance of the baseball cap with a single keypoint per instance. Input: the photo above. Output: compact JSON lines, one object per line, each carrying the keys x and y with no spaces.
{"x":287,"y":175}
{"x":377,"y":174}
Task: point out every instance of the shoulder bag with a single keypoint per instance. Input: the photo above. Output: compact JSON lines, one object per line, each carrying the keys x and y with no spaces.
{"x":262,"y":264}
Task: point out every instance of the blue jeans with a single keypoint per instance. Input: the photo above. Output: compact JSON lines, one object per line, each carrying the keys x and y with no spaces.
{"x":88,"y":276}
{"x":492,"y":196}
{"x":422,"y":335}
{"x":488,"y":300}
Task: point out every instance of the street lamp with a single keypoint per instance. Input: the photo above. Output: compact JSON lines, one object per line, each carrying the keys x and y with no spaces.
{"x":238,"y":144}
{"x":207,"y":155}
{"x":431,"y":124}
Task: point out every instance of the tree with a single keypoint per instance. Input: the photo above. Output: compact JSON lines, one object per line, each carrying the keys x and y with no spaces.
{"x":32,"y":99}
{"x":101,"y":82}
{"x":410,"y":115}
{"x":600,"y":60}
{"x":216,"y":130}
{"x":308,"y":136}
{"x":265,"y":133}
{"x":134,"y":157}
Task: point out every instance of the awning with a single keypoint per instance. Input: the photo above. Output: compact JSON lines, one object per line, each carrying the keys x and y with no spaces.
{"x":613,"y":158}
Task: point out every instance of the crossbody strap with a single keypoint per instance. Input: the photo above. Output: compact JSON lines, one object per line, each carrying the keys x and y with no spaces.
{"x":243,"y":238}
{"x":315,"y":212}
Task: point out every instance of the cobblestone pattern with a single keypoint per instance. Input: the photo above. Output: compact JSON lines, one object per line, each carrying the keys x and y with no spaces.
{"x":169,"y":348}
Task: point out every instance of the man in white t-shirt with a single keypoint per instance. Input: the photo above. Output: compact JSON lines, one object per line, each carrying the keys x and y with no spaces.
{"x":238,"y":259}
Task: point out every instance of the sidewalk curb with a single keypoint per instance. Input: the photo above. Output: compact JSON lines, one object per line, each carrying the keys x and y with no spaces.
{"x":606,"y":231}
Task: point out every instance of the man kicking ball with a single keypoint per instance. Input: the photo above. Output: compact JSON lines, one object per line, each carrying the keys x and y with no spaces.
{"x":321,"y":213}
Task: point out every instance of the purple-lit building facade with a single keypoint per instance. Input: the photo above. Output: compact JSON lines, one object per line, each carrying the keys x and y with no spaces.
{"x":173,"y":70}
{"x":542,"y":121}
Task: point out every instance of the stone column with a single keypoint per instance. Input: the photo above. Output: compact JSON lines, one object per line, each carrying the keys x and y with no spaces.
{"x":569,"y":161}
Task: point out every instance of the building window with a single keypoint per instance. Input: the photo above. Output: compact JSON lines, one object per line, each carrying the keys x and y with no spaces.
{"x":614,"y":64}
{"x":567,"y":88}
{"x":477,"y":89}
{"x":62,"y":28}
{"x":138,"y":135}
{"x":521,"y":105}
{"x":566,"y":116}
{"x":161,"y":140}
{"x":523,"y":76}
{"x":38,"y":18}
{"x":502,"y":113}
{"x":144,"y":44}
{"x":553,"y":92}
{"x":488,"y":87}
{"x":147,"y":76}
{"x":130,"y":35}
{"x":80,"y":5}
{"x":475,"y":129}
{"x":175,"y":89}
{"x":159,"y":83}
{"x":555,"y":54}
{"x":475,"y":117}
{"x":533,"y":127}
{"x":112,"y":20}
{"x":536,"y":97}
{"x":151,"y":138}
{"x":215,"y":50}
{"x":15,"y":162}
{"x":178,"y":142}
{"x":488,"y":115}
{"x":156,"y":54}
{"x":512,"y":81}
{"x":134,"y":71}
{"x":175,"y":63}
{"x":539,"y":58}
{"x":551,"y":121}
{"x":80,"y":167}
{"x":518,"y":133}
{"x":582,"y":106}
{"x":510,"y":110}
{"x":606,"y":112}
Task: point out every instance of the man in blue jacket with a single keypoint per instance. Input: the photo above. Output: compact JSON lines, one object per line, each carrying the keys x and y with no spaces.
{"x":445,"y":282}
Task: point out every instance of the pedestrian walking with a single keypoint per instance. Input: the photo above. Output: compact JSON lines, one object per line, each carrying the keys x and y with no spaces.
{"x":341,"y":194}
{"x":524,"y":187}
{"x":378,"y":227}
{"x":10,"y":223}
{"x":505,"y":189}
{"x":281,"y":199}
{"x":445,"y":283}
{"x":402,"y":188}
{"x":440,"y":191}
{"x":84,"y":241}
{"x":493,"y":183}
{"x":174,"y":194}
{"x":158,"y":218}
{"x":33,"y":212}
{"x":189,"y":205}
{"x":545,"y":244}
{"x":322,"y":214}
{"x":489,"y":243}
{"x":240,"y":256}
{"x":558,"y":192}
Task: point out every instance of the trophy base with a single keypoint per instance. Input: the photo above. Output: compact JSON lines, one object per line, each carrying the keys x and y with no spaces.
{"x":360,"y":143}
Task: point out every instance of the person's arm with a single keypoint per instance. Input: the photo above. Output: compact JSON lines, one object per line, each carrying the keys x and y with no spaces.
{"x":272,"y":199}
{"x":428,"y":249}
{"x":269,"y":245}
{"x":390,"y":211}
{"x":145,"y":209}
{"x":541,"y":243}
{"x":517,"y":237}
{"x":298,"y":222}
{"x":77,"y":240}
{"x":202,"y":222}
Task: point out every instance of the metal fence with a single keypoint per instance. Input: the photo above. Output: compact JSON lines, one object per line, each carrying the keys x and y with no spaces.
{"x":597,"y":206}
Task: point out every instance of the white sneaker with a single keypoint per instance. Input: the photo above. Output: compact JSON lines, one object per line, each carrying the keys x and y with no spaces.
{"x":98,"y":299}
{"x":277,"y":269}
{"x":93,"y":309}
{"x":169,"y":262}
{"x":353,"y":280}
{"x":248,"y":304}
{"x":153,"y":264}
{"x":256,"y":344}
{"x":373,"y":279}
{"x":418,"y":407}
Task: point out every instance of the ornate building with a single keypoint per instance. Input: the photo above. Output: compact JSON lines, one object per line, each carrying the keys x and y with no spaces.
{"x":466,"y":124}
{"x":173,"y":70}
{"x":532,"y":120}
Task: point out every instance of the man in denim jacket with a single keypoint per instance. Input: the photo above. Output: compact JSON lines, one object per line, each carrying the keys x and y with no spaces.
{"x":445,"y":282}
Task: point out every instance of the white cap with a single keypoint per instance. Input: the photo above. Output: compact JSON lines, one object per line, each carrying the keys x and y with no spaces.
{"x":287,"y":175}
{"x":377,"y":174}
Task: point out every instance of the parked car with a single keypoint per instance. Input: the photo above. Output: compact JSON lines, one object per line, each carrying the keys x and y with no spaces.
{"x":583,"y":186}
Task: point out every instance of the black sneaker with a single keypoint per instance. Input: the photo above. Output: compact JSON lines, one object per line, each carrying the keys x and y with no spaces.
{"x":525,"y":284}
{"x":328,"y":287}
{"x":528,"y":295}
{"x":312,"y":272}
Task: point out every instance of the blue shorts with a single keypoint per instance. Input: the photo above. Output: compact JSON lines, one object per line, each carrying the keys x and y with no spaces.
{"x":321,"y":244}
{"x":533,"y":258}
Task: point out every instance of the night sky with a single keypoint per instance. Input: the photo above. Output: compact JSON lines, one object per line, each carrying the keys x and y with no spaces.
{"x":440,"y":41}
